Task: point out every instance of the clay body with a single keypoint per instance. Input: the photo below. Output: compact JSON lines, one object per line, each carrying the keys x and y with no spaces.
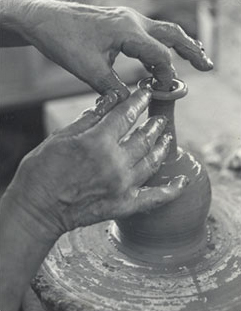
{"x":180,"y":223}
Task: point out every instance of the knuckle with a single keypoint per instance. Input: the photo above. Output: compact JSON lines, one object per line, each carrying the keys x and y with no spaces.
{"x":113,"y":168}
{"x":27,"y":163}
{"x":126,"y":114}
{"x":119,"y":182}
{"x":73,"y":144}
{"x":104,"y":141}
{"x":167,"y":26}
{"x":153,"y":164}
{"x":128,"y":17}
{"x":96,"y":142}
{"x":89,"y":111}
{"x":141,"y":100}
{"x":172,"y":28}
{"x":86,"y":142}
{"x":131,"y":115}
{"x":104,"y":144}
{"x":166,"y":59}
{"x":144,"y":140}
{"x":126,"y":13}
{"x":177,"y":28}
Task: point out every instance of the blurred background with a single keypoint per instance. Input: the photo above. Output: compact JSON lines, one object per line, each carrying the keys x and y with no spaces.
{"x":37,"y":96}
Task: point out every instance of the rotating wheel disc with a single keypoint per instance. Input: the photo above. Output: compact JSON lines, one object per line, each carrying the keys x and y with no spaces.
{"x":86,"y":271}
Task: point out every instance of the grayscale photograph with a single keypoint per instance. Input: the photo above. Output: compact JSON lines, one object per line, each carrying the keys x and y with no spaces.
{"x":120,"y":155}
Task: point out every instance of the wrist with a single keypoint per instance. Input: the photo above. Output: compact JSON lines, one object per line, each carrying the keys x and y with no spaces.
{"x":22,"y":214}
{"x":22,"y":252}
{"x":28,"y":212}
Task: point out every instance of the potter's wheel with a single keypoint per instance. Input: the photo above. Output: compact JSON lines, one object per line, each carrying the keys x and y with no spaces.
{"x":100,"y":277}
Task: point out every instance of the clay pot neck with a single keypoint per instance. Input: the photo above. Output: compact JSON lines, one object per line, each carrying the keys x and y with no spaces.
{"x":163,"y":103}
{"x":166,"y":108}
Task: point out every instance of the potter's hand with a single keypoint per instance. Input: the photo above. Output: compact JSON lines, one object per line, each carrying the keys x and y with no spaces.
{"x":85,"y":40}
{"x":91,"y":171}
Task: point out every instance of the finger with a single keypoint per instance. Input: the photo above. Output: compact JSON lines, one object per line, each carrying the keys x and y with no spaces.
{"x":173,"y":69}
{"x":90,"y":117}
{"x":142,"y":140}
{"x":172,"y":35}
{"x":152,"y":54}
{"x":149,"y":198}
{"x":120,"y":119}
{"x":105,"y":103}
{"x":103,"y":78}
{"x":150,"y":164}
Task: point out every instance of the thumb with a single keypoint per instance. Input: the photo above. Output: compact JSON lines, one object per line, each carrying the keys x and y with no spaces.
{"x":91,"y":116}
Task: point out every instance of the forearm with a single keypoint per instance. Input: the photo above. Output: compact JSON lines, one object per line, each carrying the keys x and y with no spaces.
{"x":9,"y":28}
{"x":15,"y":20}
{"x":22,"y":252}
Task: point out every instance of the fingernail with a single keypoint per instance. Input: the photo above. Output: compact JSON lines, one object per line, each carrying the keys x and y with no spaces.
{"x":113,"y":96}
{"x":99,"y":105}
{"x":174,"y":72}
{"x":147,"y":92}
{"x":210,"y":63}
{"x":104,"y":104}
{"x":122,"y":94}
{"x":183,"y":181}
{"x":100,"y":112}
{"x":148,"y":86}
{"x":99,"y":100}
{"x":199,"y":43}
{"x":207,"y":60}
{"x":167,"y":138}
{"x":203,"y":54}
{"x":162,"y":120}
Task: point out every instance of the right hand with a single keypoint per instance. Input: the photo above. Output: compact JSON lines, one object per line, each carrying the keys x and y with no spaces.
{"x":93,"y":171}
{"x":86,"y":39}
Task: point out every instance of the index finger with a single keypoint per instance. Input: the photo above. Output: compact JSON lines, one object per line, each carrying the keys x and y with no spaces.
{"x":121,"y":119}
{"x":172,"y":35}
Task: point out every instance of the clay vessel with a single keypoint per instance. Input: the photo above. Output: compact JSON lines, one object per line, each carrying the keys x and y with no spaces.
{"x":179,"y":225}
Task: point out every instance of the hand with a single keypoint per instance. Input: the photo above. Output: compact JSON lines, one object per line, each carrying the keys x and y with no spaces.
{"x":93,"y":171}
{"x":85,"y":40}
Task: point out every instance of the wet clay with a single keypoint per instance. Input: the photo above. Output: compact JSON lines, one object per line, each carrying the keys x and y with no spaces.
{"x":179,"y":225}
{"x":176,"y":258}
